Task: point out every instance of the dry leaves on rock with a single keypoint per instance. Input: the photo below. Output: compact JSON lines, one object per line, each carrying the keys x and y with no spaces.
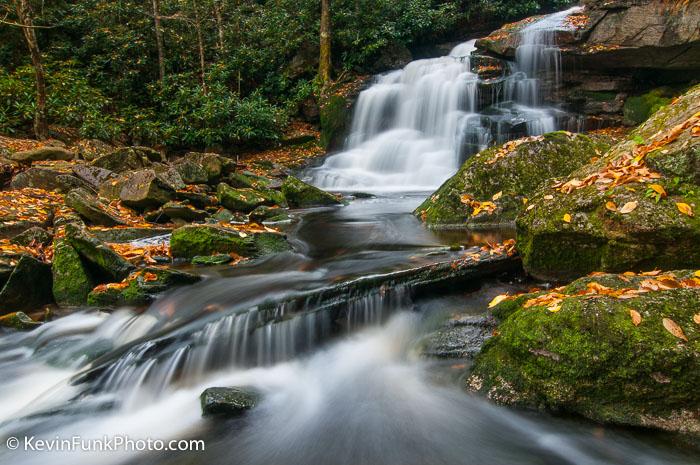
{"x":509,"y":147}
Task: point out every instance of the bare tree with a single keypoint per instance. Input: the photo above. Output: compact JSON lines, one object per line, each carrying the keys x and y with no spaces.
{"x":159,"y":39}
{"x":200,"y":44}
{"x":324,"y":65}
{"x":25,"y":21}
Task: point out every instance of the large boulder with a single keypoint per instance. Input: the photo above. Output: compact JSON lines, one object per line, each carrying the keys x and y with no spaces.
{"x":91,"y":208}
{"x":140,"y":288}
{"x":302,"y":195}
{"x":201,"y":240}
{"x":228,"y":401}
{"x":72,"y":281}
{"x":493,"y":186}
{"x":27,"y":285}
{"x":105,"y":262}
{"x":622,"y":349}
{"x":41,"y":154}
{"x":48,"y":179}
{"x":635,"y":208}
{"x":247,"y":200}
{"x":203,"y":168}
{"x":143,"y":189}
{"x":127,"y":159}
{"x":93,"y":175}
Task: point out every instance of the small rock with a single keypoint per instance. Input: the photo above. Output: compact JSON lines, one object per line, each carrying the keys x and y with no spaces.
{"x":229,"y":402}
{"x":175,"y":210}
{"x":18,"y":320}
{"x":246,"y":200}
{"x":209,"y":260}
{"x":72,"y":282}
{"x":268,"y":214}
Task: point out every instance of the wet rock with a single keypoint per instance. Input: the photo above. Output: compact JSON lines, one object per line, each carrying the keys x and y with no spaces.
{"x":268,"y":214}
{"x":225,"y":215}
{"x":47,"y":179}
{"x":41,"y":154}
{"x":127,"y":159}
{"x":335,"y":120}
{"x":28,"y":286}
{"x":460,"y":337}
{"x":200,"y":199}
{"x":140,"y":288}
{"x":72,"y":281}
{"x":246,"y":200}
{"x":193,"y":240}
{"x":653,"y":234}
{"x":228,"y":401}
{"x":589,"y":357}
{"x":515,"y":170}
{"x":91,"y":208}
{"x":117,"y":235}
{"x":269,"y":243}
{"x":302,"y":195}
{"x":392,"y":56}
{"x":104,"y":260}
{"x":139,"y":189}
{"x":19,"y":321}
{"x":210,"y":260}
{"x":32,"y":237}
{"x":93,"y":175}
{"x":175,"y":210}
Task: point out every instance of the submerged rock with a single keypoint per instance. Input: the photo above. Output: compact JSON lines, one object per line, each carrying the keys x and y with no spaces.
{"x":460,"y":337}
{"x":302,"y":195}
{"x":507,"y":176}
{"x":140,"y":288}
{"x":608,"y":216}
{"x":229,"y":402}
{"x":210,"y":260}
{"x":632,"y":360}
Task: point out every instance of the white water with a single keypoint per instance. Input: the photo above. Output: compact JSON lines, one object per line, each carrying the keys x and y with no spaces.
{"x":413,"y":127}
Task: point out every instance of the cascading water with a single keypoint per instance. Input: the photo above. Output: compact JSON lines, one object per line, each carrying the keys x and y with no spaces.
{"x":413,"y":127}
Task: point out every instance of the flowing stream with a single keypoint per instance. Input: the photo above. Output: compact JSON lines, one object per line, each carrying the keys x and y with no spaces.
{"x":336,"y":359}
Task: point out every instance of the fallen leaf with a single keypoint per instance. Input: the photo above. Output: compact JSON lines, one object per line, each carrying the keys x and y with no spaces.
{"x":567,"y":218}
{"x":636,"y":317}
{"x":611,"y":206}
{"x":497,"y":300}
{"x":697,"y":274}
{"x":685,"y":208}
{"x":530,"y":207}
{"x":548,"y":197}
{"x":554,"y":308}
{"x":525,"y":200}
{"x":696,"y":318}
{"x":658,"y":188}
{"x":497,"y":196}
{"x":673,"y":328}
{"x":628,"y":207}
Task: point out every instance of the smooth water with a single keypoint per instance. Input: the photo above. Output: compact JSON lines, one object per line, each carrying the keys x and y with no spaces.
{"x":412,"y":128}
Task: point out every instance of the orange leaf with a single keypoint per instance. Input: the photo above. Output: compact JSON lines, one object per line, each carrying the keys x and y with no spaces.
{"x":150,"y":276}
{"x":611,"y":206}
{"x":696,"y":318}
{"x":628,"y":207}
{"x":685,"y":208}
{"x":636,"y":317}
{"x":673,"y":328}
{"x":497,"y":300}
{"x":567,"y":218}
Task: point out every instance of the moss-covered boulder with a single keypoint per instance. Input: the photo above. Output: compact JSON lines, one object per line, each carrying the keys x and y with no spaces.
{"x":621,"y":349}
{"x":268,"y":214}
{"x":72,"y":282}
{"x":212,"y":260}
{"x":302,"y":195}
{"x":202,"y":240}
{"x":32,"y":237}
{"x":203,"y":168}
{"x":639,"y":108}
{"x":105,"y":262}
{"x":25,"y":283}
{"x":140,"y":288}
{"x":127,"y":159}
{"x":506,"y":176}
{"x":635,"y":208}
{"x":246,"y":199}
{"x":91,"y":208}
{"x":19,"y":321}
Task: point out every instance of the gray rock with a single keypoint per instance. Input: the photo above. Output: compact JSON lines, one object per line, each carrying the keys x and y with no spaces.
{"x":91,"y":208}
{"x":229,"y":402}
{"x":32,"y":236}
{"x":47,"y":179}
{"x":41,"y":154}
{"x":93,"y":175}
{"x":105,"y":260}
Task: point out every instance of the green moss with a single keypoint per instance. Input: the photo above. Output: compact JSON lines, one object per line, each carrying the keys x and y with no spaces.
{"x":246,"y":199}
{"x":193,"y":240}
{"x":302,"y":195}
{"x":638,"y":109}
{"x":589,"y":358}
{"x":270,"y":243}
{"x":19,"y":321}
{"x":72,"y":281}
{"x":334,"y":116}
{"x":102,"y":259}
{"x":517,"y":175}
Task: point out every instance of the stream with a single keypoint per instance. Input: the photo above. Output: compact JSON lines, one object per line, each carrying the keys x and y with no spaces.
{"x":328,"y":334}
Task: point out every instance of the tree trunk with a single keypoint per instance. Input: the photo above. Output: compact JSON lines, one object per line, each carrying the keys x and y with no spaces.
{"x":218,"y":7}
{"x":24,"y":15}
{"x":159,"y":40}
{"x":324,"y":65}
{"x":200,"y":45}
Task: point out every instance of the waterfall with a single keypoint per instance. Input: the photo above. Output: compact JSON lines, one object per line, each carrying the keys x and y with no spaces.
{"x":413,"y":127}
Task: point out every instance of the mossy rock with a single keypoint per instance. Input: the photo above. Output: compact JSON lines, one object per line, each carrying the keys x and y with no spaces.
{"x":32,"y":236}
{"x":204,"y":240}
{"x":72,"y":282}
{"x":655,"y":234}
{"x":638,"y":109}
{"x":140,"y":288}
{"x":247,"y":200}
{"x":270,"y":243}
{"x":268,"y":214}
{"x":19,"y":321}
{"x":28,"y":284}
{"x":516,"y":169}
{"x":106,"y":264}
{"x":302,"y":195}
{"x":211,"y":260}
{"x":335,"y":114}
{"x":91,"y":208}
{"x":126,"y":159}
{"x":590,"y":359}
